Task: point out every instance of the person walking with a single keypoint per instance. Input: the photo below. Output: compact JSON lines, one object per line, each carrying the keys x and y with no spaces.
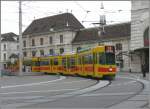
{"x":144,"y":70}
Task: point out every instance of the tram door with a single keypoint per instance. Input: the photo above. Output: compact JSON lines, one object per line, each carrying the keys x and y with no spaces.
{"x":88,"y":64}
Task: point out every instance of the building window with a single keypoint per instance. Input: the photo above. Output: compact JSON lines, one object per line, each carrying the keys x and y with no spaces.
{"x":61,"y":38}
{"x":17,"y":47}
{"x":33,"y":53}
{"x":4,"y":46}
{"x":50,"y":40}
{"x":24,"y":43}
{"x":24,"y":54}
{"x":78,"y":49}
{"x":51,"y":51}
{"x":33,"y":42}
{"x":61,"y":50}
{"x":146,"y":37}
{"x":41,"y":41}
{"x":42,"y":52}
{"x":4,"y":56}
{"x":118,"y":46}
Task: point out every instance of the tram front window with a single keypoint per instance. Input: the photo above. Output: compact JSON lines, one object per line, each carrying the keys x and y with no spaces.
{"x":110,"y":58}
{"x":107,"y":58}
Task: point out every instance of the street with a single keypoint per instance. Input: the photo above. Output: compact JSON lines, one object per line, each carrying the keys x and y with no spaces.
{"x":54,"y":91}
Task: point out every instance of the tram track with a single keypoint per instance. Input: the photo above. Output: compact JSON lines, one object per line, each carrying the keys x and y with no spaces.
{"x":131,"y":95}
{"x":71,"y":93}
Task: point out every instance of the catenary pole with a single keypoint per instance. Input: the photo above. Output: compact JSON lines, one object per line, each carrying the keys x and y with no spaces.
{"x":0,"y":44}
{"x":149,"y":54}
{"x":0,"y":57}
{"x":20,"y":38}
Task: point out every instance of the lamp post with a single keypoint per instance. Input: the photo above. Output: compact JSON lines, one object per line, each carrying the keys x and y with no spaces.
{"x":0,"y":47}
{"x":20,"y":38}
{"x":149,"y":56}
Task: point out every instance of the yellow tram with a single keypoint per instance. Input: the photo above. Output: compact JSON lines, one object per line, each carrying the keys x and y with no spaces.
{"x":98,"y":62}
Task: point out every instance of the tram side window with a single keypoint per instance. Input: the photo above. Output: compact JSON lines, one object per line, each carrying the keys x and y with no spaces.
{"x":68,"y":63}
{"x":88,"y":59}
{"x":95,"y":58}
{"x":72,"y":61}
{"x":55,"y":61}
{"x":36,"y":63}
{"x":44,"y":63}
{"x":102,"y":58}
{"x":79,"y":60}
{"x":64,"y":62}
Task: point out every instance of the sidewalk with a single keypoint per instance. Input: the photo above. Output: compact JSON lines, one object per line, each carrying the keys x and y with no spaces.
{"x":139,"y":101}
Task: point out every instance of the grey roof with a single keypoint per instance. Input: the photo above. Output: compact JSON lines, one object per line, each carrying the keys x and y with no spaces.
{"x":9,"y":36}
{"x":121,"y":30}
{"x":57,"y":22}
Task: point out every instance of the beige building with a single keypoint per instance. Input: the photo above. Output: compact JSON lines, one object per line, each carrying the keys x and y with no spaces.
{"x":50,"y":35}
{"x":139,"y":46}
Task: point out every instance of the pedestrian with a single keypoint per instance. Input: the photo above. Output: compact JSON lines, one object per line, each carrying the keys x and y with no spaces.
{"x":144,"y":70}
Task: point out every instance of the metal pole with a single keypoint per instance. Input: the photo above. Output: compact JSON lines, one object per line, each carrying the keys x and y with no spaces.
{"x":0,"y":45}
{"x":149,"y":55}
{"x":20,"y":39}
{"x":0,"y":57}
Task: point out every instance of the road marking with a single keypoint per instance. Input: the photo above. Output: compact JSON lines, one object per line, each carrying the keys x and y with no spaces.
{"x":76,"y":92}
{"x":31,"y":84}
{"x":99,"y":85}
{"x":125,"y":83}
{"x":104,"y":94}
{"x":43,"y":83}
{"x":22,"y":98}
{"x":41,"y":91}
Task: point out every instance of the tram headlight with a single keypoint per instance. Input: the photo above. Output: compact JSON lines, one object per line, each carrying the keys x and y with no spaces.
{"x":110,"y":69}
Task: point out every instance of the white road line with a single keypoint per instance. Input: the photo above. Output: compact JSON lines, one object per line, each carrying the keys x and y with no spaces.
{"x":44,"y":83}
{"x":31,"y":84}
{"x":22,"y":98}
{"x":41,"y":91}
{"x":125,"y":83}
{"x":76,"y":92}
{"x":105,"y":94}
{"x":70,"y":94}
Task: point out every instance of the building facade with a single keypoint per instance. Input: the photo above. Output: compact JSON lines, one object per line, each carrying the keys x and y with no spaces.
{"x":50,"y":35}
{"x":139,"y":46}
{"x":9,"y":47}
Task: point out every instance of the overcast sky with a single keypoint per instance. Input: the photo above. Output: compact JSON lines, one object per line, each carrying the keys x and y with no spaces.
{"x":87,"y":12}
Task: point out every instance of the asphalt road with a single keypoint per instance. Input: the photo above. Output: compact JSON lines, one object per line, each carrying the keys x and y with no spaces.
{"x":53,"y":91}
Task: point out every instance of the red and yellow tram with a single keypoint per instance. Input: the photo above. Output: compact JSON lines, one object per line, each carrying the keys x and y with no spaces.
{"x":98,"y":62}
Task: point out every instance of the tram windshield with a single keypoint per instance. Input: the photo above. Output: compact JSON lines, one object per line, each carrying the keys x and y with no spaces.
{"x":107,"y":58}
{"x":110,"y":58}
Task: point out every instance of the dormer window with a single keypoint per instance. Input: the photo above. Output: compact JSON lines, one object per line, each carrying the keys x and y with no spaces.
{"x":51,"y":29}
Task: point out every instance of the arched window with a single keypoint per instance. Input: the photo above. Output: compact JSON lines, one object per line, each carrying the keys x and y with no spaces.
{"x":146,"y":37}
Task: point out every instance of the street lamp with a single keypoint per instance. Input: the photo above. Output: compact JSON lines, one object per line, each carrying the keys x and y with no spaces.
{"x":0,"y":47}
{"x":20,"y":38}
